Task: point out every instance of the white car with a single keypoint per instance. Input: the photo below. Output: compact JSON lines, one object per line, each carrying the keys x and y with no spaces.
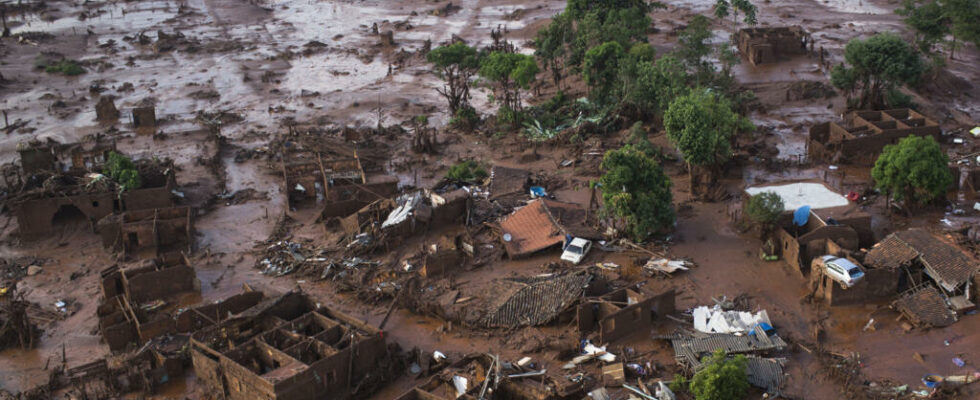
{"x":841,"y":270}
{"x":576,"y":250}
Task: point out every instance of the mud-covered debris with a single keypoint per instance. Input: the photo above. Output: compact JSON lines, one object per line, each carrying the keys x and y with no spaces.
{"x":16,"y":327}
{"x":285,"y":257}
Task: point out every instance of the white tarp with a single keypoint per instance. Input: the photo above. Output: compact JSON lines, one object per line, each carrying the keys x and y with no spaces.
{"x":714,"y":320}
{"x":407,"y":204}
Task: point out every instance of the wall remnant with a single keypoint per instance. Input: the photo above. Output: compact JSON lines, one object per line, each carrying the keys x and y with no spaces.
{"x":866,"y":135}
{"x":149,"y":233}
{"x":770,"y":45}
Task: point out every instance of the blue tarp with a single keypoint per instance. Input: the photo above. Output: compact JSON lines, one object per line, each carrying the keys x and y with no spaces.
{"x":801,"y":215}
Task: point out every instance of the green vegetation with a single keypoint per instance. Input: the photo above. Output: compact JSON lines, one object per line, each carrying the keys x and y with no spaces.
{"x":877,"y":65}
{"x":465,"y":118}
{"x":601,"y":69}
{"x":765,"y":208}
{"x":122,"y":170}
{"x":468,"y":171}
{"x":701,"y":125}
{"x":636,"y":191}
{"x":914,"y":170}
{"x":510,"y":72}
{"x":638,"y":139}
{"x":721,"y":378}
{"x":935,"y":20}
{"x":456,"y":64}
{"x":63,"y":66}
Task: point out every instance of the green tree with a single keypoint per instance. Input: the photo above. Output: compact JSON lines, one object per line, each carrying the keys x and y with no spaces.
{"x":914,"y":170}
{"x":635,"y":190}
{"x":694,"y":47}
{"x":601,"y":69}
{"x":638,"y":138}
{"x":511,"y":72}
{"x":551,"y":45}
{"x":876,"y":65}
{"x":659,"y":83}
{"x":701,"y":124}
{"x":964,"y":16}
{"x":725,"y":7}
{"x":456,"y":64}
{"x":122,"y":170}
{"x":721,"y":378}
{"x":928,"y":19}
{"x":765,"y":208}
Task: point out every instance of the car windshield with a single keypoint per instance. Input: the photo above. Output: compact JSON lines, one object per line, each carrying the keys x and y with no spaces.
{"x":573,"y":249}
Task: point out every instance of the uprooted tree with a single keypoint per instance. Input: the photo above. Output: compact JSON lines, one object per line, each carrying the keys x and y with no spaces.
{"x":635,"y":190}
{"x":456,"y":64}
{"x":914,"y":170}
{"x":876,"y":66}
{"x":702,"y":124}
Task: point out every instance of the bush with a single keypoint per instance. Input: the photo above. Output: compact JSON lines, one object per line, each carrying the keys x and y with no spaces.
{"x":64,"y":67}
{"x":122,"y":170}
{"x":897,"y":99}
{"x":722,"y":378}
{"x":765,"y":208}
{"x":465,"y":118}
{"x":468,"y":171}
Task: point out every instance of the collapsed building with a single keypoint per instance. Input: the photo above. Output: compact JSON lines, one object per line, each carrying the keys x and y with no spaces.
{"x":481,"y":376}
{"x":543,"y":224}
{"x":138,"y":301}
{"x":622,"y":313}
{"x":289,"y":347}
{"x":150,"y":233}
{"x":832,"y":224}
{"x":508,"y":186}
{"x":59,"y":187}
{"x":770,"y":45}
{"x":763,"y":371}
{"x":865,"y":135}
{"x":319,"y":171}
{"x":391,"y":220}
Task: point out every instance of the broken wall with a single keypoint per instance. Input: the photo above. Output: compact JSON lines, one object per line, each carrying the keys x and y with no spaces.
{"x":878,"y":284}
{"x":39,"y":217}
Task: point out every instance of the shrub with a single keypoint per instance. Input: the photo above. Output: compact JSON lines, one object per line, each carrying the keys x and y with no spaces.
{"x":122,"y":170}
{"x":465,"y":118}
{"x":722,"y":378}
{"x":765,"y":208}
{"x":468,"y":171}
{"x":65,"y":67}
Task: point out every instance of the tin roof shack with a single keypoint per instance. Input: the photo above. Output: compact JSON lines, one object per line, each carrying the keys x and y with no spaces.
{"x":289,"y":347}
{"x":622,"y":313}
{"x":149,"y":233}
{"x":770,"y":45}
{"x":831,"y":220}
{"x":543,"y":224}
{"x":945,"y":263}
{"x":866,"y":135}
{"x":50,"y":201}
{"x":138,"y":301}
{"x":481,"y":373}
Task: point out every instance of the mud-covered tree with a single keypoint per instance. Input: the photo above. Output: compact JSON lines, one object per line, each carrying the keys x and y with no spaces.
{"x":724,"y":8}
{"x":914,"y":170}
{"x":721,"y":378}
{"x":424,"y":139}
{"x":765,"y":209}
{"x":456,"y":64}
{"x":875,"y":66}
{"x":701,"y":124}
{"x":636,"y":191}
{"x":601,"y":70}
{"x":510,"y":73}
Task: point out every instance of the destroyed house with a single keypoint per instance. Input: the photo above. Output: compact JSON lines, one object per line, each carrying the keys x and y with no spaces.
{"x":925,"y":307}
{"x":286,"y":348}
{"x":945,"y":263}
{"x":481,"y":377}
{"x":543,"y":224}
{"x":832,"y":224}
{"x":74,"y":158}
{"x":395,"y":219}
{"x":137,"y":301}
{"x":622,"y":313}
{"x":449,"y":253}
{"x":766,"y":373}
{"x":769,"y":45}
{"x":149,"y":233}
{"x":866,"y":135}
{"x":509,"y":186}
{"x":52,"y":201}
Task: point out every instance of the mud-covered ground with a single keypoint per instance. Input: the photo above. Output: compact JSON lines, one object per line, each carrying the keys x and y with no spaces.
{"x":261,"y":66}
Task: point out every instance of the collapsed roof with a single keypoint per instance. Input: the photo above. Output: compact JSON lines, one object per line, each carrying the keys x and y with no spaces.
{"x":944,"y":262}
